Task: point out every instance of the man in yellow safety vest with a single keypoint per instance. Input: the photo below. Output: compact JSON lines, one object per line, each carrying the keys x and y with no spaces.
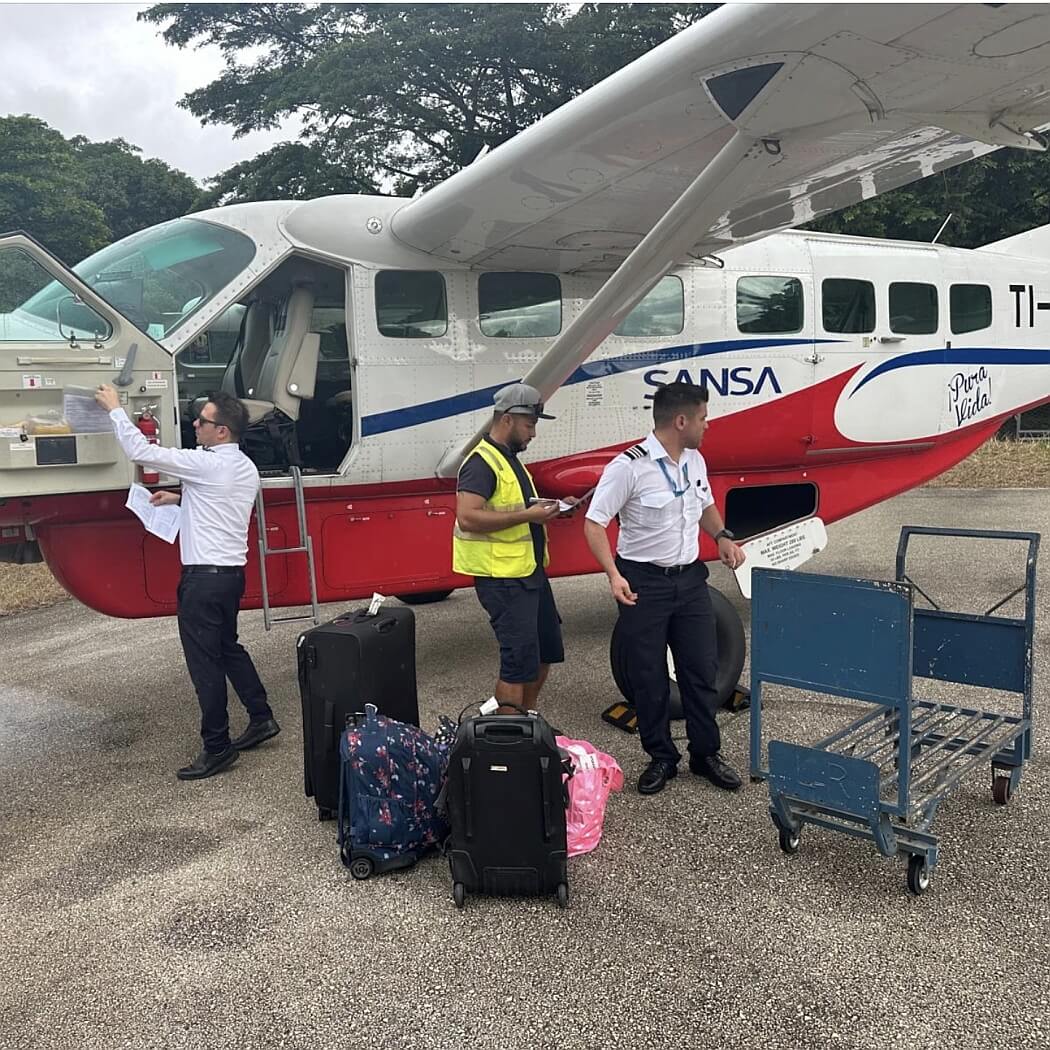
{"x":500,"y":539}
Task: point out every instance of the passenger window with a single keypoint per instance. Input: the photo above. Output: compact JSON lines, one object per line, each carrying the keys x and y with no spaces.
{"x":411,"y":304}
{"x":519,"y":305}
{"x":913,"y":308}
{"x":661,"y":312}
{"x":971,"y":307}
{"x":34,"y":307}
{"x":769,"y":304}
{"x":847,"y":305}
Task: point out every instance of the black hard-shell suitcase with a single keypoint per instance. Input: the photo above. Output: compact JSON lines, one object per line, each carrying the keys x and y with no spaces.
{"x":506,"y":802}
{"x":354,"y":660}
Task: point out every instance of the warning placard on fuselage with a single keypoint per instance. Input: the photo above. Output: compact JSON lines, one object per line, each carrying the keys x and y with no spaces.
{"x":785,"y":548}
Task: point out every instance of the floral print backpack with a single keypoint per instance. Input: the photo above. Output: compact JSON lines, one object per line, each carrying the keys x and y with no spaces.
{"x":391,"y":776}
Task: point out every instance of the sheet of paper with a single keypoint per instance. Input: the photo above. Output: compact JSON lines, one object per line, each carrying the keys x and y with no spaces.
{"x":160,"y":521}
{"x":83,"y":413}
{"x":562,"y":505}
{"x":785,"y":548}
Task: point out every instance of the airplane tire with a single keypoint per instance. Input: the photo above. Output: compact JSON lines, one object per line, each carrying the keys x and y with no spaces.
{"x":423,"y":597}
{"x":732,"y":648}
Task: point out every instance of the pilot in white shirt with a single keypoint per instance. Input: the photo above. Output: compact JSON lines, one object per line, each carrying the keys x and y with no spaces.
{"x":660,"y":491}
{"x":219,"y":486}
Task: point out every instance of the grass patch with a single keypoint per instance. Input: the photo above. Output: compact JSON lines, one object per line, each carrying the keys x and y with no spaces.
{"x":27,"y":587}
{"x":1001,"y":464}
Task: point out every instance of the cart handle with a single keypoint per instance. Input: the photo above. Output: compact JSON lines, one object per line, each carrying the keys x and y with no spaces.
{"x":1031,"y":538}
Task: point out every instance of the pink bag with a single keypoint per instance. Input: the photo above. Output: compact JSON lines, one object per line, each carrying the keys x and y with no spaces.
{"x":595,"y":774}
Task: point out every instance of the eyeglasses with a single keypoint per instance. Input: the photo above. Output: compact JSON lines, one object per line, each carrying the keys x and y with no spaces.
{"x":214,"y":422}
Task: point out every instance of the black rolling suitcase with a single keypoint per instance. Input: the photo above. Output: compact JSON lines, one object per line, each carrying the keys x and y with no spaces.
{"x":355,"y":660}
{"x":506,"y":802}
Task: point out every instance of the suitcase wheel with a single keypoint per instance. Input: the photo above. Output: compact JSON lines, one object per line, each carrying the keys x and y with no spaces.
{"x":362,"y":868}
{"x":459,"y":894}
{"x":563,"y":895}
{"x":323,"y":813}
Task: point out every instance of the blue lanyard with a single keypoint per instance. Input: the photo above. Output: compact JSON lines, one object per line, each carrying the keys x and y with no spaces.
{"x":685,"y":474}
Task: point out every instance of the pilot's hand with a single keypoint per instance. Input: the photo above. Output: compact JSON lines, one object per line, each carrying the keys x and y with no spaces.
{"x":106,"y":395}
{"x":621,"y":590}
{"x":164,"y":499}
{"x":730,"y":553}
{"x":540,"y":512}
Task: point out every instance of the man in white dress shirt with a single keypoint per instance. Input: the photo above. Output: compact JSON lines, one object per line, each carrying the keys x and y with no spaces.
{"x":660,"y":490}
{"x":219,"y":485}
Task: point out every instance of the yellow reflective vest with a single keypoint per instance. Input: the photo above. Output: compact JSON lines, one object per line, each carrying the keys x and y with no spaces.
{"x":507,"y":553}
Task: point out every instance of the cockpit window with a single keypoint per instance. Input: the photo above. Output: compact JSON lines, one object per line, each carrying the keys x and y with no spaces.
{"x":159,"y":277}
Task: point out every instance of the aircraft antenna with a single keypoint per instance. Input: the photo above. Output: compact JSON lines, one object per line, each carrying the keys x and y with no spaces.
{"x":943,"y":224}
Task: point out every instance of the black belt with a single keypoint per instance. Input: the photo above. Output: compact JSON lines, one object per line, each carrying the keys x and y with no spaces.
{"x":665,"y":570}
{"x":213,"y":568}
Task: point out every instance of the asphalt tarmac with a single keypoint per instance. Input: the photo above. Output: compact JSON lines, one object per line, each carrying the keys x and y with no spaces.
{"x":138,"y":911}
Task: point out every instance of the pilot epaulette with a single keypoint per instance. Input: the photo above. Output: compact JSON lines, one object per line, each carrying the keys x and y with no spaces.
{"x":636,"y":452}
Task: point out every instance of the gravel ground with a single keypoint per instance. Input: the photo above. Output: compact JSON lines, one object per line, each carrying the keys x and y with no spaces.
{"x":138,"y":911}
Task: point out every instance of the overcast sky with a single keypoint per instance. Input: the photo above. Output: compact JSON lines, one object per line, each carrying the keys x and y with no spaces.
{"x":92,"y":69}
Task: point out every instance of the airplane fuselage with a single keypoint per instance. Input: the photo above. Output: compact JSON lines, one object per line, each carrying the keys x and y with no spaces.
{"x":841,"y":371}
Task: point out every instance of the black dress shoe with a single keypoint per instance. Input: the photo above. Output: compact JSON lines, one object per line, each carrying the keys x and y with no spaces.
{"x":655,"y":776}
{"x":207,"y":764}
{"x":256,"y":733}
{"x":717,"y":770}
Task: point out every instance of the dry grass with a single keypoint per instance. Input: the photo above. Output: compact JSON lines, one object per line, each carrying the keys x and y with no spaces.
{"x":1000,"y":464}
{"x":27,"y":587}
{"x":996,"y":464}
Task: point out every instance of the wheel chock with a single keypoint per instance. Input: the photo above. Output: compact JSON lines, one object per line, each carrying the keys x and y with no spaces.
{"x":739,"y":700}
{"x":622,"y":715}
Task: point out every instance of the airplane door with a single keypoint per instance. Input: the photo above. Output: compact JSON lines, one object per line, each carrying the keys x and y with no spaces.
{"x":58,"y":337}
{"x":875,"y":304}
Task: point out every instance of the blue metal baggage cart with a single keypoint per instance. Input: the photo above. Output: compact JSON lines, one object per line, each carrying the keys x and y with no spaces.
{"x":882,"y":777}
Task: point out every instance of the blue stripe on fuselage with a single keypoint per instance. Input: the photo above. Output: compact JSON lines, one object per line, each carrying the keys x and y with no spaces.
{"x":961,"y":355}
{"x":473,"y":400}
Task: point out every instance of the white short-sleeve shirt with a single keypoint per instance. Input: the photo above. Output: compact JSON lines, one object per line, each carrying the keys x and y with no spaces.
{"x":659,"y":503}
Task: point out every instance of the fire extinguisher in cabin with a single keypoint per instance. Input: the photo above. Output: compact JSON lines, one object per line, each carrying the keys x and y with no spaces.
{"x":147,"y":423}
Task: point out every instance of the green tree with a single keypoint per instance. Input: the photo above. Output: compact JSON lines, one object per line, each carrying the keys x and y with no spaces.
{"x":995,"y":196}
{"x":132,"y":192}
{"x":41,"y":191}
{"x":392,"y":97}
{"x":75,"y":196}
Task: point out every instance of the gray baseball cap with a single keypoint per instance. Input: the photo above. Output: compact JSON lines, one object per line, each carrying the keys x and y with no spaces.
{"x":520,"y":399}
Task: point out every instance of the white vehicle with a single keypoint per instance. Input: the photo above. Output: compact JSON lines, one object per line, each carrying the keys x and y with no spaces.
{"x":628,"y":239}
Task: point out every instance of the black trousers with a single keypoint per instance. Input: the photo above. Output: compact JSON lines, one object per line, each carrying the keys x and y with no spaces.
{"x":673,"y":611}
{"x":208,"y":607}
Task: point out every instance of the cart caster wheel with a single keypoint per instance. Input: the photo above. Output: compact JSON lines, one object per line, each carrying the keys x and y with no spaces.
{"x":1001,"y":790}
{"x":563,"y":895}
{"x":918,"y":875}
{"x":362,"y":868}
{"x":459,"y":894}
{"x":789,"y":840}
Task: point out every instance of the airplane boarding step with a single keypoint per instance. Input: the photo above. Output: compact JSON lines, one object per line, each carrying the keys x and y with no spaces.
{"x":305,"y":546}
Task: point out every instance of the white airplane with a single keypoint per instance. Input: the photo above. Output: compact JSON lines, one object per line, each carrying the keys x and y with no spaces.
{"x":626,"y":240}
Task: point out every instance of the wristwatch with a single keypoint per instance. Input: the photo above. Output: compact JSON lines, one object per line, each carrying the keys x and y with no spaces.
{"x":724,"y":532}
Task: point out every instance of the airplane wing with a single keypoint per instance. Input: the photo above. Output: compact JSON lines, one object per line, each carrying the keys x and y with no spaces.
{"x":759,"y":117}
{"x":860,"y":98}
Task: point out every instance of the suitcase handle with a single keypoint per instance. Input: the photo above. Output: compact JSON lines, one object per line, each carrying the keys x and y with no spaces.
{"x":468,"y":808}
{"x":511,"y":729}
{"x":329,"y":726}
{"x":545,"y":790}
